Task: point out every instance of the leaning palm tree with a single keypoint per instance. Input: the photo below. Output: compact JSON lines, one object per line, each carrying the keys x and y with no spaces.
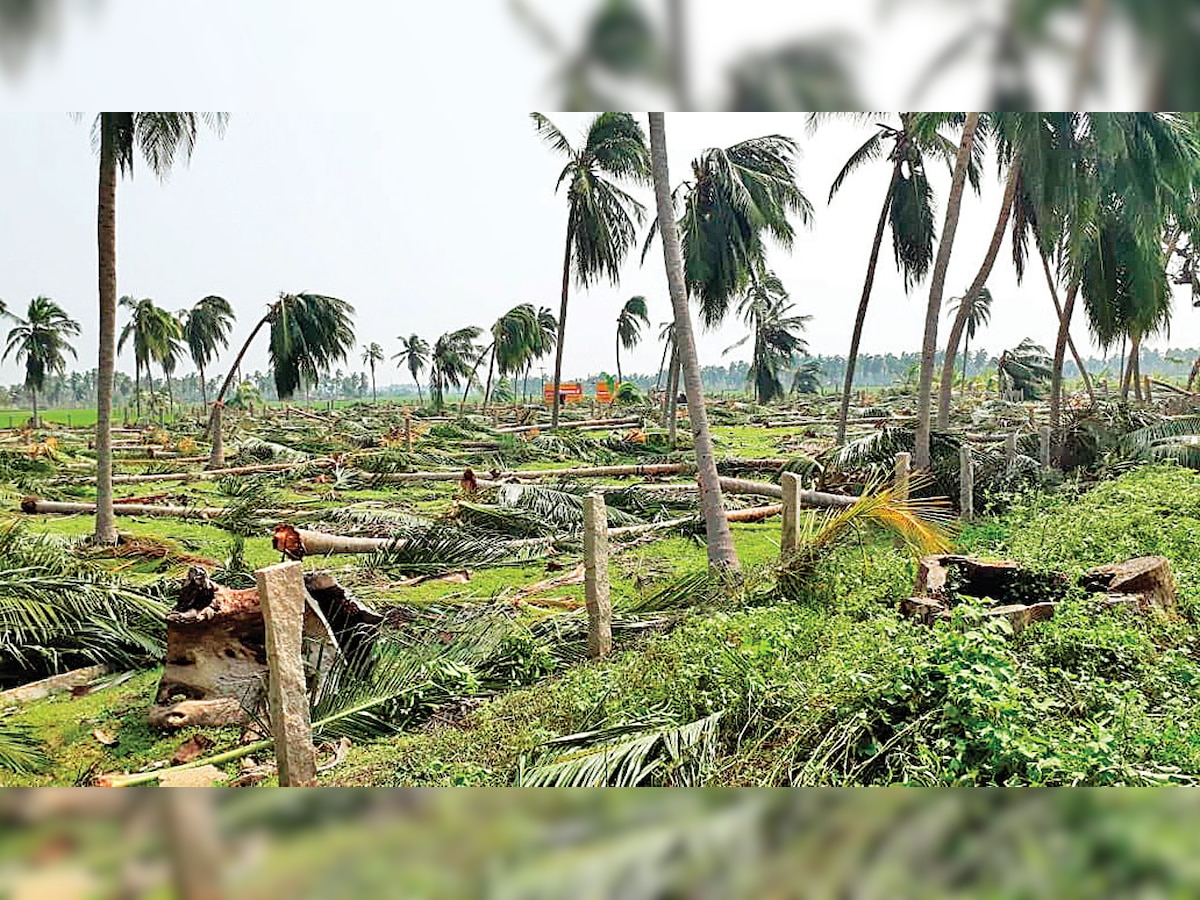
{"x":40,"y":342}
{"x":978,"y":314}
{"x":370,"y":356}
{"x":162,"y":138}
{"x":154,"y":333}
{"x":937,"y":286}
{"x":206,"y":328}
{"x":602,"y":218}
{"x":516,"y":335}
{"x":765,"y":308}
{"x":632,"y":317}
{"x":414,"y":353}
{"x":907,"y":206}
{"x":452,"y":362}
{"x":721,"y":553}
{"x":168,"y":360}
{"x":309,"y":333}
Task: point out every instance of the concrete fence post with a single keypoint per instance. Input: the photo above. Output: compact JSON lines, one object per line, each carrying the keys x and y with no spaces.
{"x":966,"y":483}
{"x":596,"y":584}
{"x":1010,"y":449}
{"x":282,"y":595}
{"x":1044,"y":433}
{"x":903,"y":475}
{"x":408,"y":435}
{"x":790,"y":539}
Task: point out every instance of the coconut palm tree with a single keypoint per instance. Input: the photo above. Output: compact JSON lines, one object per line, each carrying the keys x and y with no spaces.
{"x":516,"y":335}
{"x":414,"y":353}
{"x":632,"y":317}
{"x":721,"y":552}
{"x":452,"y":362}
{"x":206,"y":328}
{"x":937,"y":287}
{"x":978,"y":314}
{"x":169,"y":361}
{"x":309,"y":333}
{"x":40,"y":341}
{"x":1026,"y":368}
{"x":765,"y":309}
{"x":907,"y":206}
{"x":370,"y":356}
{"x":547,"y":338}
{"x":738,"y":197}
{"x":154,"y":333}
{"x":807,"y":378}
{"x":162,"y":138}
{"x":602,"y":218}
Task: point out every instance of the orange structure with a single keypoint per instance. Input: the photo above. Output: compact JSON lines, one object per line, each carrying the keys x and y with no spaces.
{"x":569,"y":392}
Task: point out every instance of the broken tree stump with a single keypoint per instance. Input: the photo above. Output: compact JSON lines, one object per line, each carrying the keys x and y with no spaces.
{"x":216,"y":661}
{"x":1146,"y":582}
{"x":284,"y":605}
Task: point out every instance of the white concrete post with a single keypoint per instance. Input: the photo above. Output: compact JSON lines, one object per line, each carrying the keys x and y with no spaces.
{"x":966,"y":482}
{"x":1010,"y":449}
{"x":1044,"y":434}
{"x":596,"y":585}
{"x":903,"y":475}
{"x":790,"y":539}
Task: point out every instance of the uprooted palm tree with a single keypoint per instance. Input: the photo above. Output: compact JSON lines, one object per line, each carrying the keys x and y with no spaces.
{"x":1026,"y":368}
{"x":414,"y":353}
{"x":602,"y":218}
{"x":370,"y":356}
{"x":206,"y":328}
{"x":452,"y":362}
{"x":40,"y":341}
{"x":162,"y":138}
{"x":765,"y":309}
{"x":630,"y":320}
{"x":154,"y":332}
{"x":309,"y":333}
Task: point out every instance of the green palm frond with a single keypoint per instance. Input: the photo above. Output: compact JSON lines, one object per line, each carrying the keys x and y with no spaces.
{"x":20,"y":750}
{"x":206,"y":327}
{"x":310,"y":333}
{"x":656,"y":749}
{"x":441,"y":548}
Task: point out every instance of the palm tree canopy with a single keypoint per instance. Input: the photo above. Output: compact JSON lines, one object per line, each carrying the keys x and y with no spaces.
{"x":40,"y":341}
{"x":154,"y":331}
{"x":978,"y":315}
{"x":766,"y":309}
{"x":372,"y":354}
{"x":454,"y":355}
{"x":516,"y":336}
{"x":309,"y":334}
{"x":162,"y":137}
{"x":206,"y":328}
{"x":414,"y":353}
{"x":1027,"y":367}
{"x":634,"y":314}
{"x":603,"y":217}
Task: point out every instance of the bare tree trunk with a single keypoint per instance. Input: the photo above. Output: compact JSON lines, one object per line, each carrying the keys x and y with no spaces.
{"x":937,"y":287}
{"x":203,"y":386}
{"x":677,"y":44}
{"x":217,"y":458}
{"x":33,"y":394}
{"x":1083,"y":372}
{"x":1060,"y":352}
{"x":106,"y":239}
{"x":861,"y":318}
{"x":673,"y":401}
{"x":487,"y":391}
{"x":619,"y":378}
{"x":973,"y":292}
{"x":562,"y":319}
{"x":1135,"y":365}
{"x":721,"y":552}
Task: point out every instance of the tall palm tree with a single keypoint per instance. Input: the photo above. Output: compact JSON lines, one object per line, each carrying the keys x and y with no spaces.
{"x":169,"y":360}
{"x":154,"y":332}
{"x":40,"y":342}
{"x":516,"y":335}
{"x":630,"y":320}
{"x":721,"y":552}
{"x":309,"y":333}
{"x":162,"y":138}
{"x":414,"y":353}
{"x":206,"y":328}
{"x":937,"y":286}
{"x":978,"y":314}
{"x":452,"y":362}
{"x":602,"y":218}
{"x":765,"y":309}
{"x":547,"y":338}
{"x":738,"y":197}
{"x":907,"y":206}
{"x":370,"y":356}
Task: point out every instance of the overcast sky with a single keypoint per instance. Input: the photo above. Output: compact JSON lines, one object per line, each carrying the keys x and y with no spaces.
{"x":429,"y":204}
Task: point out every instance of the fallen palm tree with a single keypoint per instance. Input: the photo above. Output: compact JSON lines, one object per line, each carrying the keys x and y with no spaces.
{"x":35,"y":507}
{"x":586,"y":423}
{"x":639,"y":470}
{"x":210,"y":474}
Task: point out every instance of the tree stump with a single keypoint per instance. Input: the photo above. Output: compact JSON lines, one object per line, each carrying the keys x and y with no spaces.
{"x":1146,"y":582}
{"x":216,"y":662}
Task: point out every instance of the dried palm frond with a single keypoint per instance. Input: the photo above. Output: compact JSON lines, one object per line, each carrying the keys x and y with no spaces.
{"x":656,"y":748}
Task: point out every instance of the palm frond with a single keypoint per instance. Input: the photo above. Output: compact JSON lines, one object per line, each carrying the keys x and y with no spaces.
{"x":20,"y":750}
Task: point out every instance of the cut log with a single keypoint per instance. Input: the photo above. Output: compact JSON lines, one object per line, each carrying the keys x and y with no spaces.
{"x":807,"y":498}
{"x":55,"y":684}
{"x":216,"y":663}
{"x":1146,"y":577}
{"x":588,"y":423}
{"x":212,"y":474}
{"x":649,"y":470}
{"x":297,"y":543}
{"x":35,"y":507}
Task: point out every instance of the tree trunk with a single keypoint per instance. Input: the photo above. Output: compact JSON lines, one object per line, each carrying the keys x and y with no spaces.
{"x":562,"y":318}
{"x":106,"y":239}
{"x":487,"y":391}
{"x":1083,"y":372}
{"x":33,"y":394}
{"x":966,"y":356}
{"x":936,"y":289}
{"x":673,"y":402}
{"x":137,"y":388}
{"x":619,"y":378}
{"x":973,"y":292}
{"x":721,"y":552}
{"x":374,"y":398}
{"x":861,"y":318}
{"x":1135,"y":365}
{"x":203,"y":386}
{"x":1060,"y":352}
{"x":1192,"y":375}
{"x":217,"y":458}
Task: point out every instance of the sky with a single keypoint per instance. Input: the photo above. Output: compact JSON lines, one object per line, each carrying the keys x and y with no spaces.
{"x":365,"y":161}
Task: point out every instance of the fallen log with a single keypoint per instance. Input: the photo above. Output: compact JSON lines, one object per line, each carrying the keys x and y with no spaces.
{"x":35,"y":507}
{"x":586,"y":423}
{"x":807,"y":498}
{"x":754,"y":514}
{"x":1173,"y":389}
{"x":645,"y":470}
{"x":210,"y":474}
